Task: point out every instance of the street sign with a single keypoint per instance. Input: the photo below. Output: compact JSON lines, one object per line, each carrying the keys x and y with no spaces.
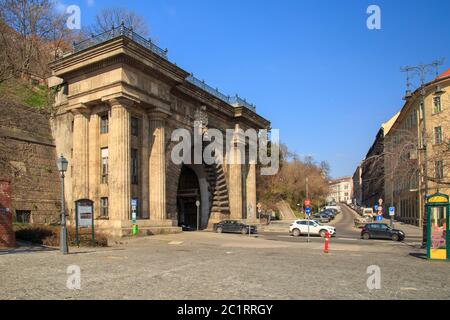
{"x":308,"y":211}
{"x":380,"y":202}
{"x":392,"y":211}
{"x":375,"y":207}
{"x":379,"y":218}
{"x":134,"y":204}
{"x":307,"y":202}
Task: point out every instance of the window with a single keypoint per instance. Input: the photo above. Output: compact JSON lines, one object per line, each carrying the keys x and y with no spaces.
{"x":134,"y":166}
{"x":104,"y":168}
{"x":438,"y":135}
{"x":437,"y":105}
{"x":134,"y":126}
{"x":23,"y":216}
{"x":103,"y":207}
{"x":104,"y":123}
{"x":439,"y":169}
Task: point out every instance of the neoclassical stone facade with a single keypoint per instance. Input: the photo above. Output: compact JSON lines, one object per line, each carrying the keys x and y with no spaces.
{"x":119,"y":101}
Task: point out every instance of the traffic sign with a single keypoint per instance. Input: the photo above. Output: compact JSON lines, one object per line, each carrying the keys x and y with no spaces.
{"x":307,"y":202}
{"x":375,"y":207}
{"x":392,"y":211}
{"x":308,"y":211}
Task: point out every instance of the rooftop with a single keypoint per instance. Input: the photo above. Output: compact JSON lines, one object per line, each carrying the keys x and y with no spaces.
{"x":123,"y":31}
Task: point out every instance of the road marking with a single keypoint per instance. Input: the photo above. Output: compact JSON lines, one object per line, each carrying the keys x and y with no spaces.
{"x":349,"y":239}
{"x":175,"y":242}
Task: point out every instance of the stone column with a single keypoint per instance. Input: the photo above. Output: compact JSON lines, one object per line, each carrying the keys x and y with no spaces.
{"x":119,"y":176}
{"x":80,"y":159}
{"x":157,"y":166}
{"x":144,"y":168}
{"x":236,"y":177}
{"x":94,"y":161}
{"x":251,"y":190}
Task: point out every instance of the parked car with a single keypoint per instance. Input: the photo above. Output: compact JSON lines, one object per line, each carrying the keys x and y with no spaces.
{"x":300,"y":227}
{"x":381,"y":231}
{"x":337,"y":208}
{"x":234,"y":226}
{"x":186,"y":227}
{"x":330,"y":213}
{"x":367,"y":212}
{"x":321,"y":218}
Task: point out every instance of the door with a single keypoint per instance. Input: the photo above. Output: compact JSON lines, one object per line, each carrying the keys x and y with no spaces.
{"x":384,"y":232}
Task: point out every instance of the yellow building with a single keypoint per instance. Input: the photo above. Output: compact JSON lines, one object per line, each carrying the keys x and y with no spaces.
{"x":415,"y":157}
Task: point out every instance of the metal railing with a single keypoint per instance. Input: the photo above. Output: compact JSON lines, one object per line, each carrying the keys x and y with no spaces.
{"x":119,"y":32}
{"x":235,"y":100}
{"x":123,"y":31}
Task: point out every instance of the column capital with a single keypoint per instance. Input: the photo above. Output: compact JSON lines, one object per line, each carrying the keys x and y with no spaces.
{"x":160,"y":115}
{"x":80,"y":109}
{"x":120,"y":100}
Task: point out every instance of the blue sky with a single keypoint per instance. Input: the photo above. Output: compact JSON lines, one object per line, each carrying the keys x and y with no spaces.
{"x":311,"y":67}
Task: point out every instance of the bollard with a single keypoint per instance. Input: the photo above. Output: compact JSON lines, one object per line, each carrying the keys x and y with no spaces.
{"x":327,"y":238}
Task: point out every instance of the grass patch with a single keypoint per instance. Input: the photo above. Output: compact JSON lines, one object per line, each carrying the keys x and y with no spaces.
{"x":21,"y":92}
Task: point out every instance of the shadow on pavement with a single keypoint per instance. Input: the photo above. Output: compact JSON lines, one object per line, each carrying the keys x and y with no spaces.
{"x":418,"y":255}
{"x":27,"y":248}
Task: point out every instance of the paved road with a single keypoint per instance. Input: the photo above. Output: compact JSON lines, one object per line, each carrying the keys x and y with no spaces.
{"x":346,"y":233}
{"x":207,"y":265}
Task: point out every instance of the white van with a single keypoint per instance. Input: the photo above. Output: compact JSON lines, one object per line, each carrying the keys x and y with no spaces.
{"x":367,"y":212}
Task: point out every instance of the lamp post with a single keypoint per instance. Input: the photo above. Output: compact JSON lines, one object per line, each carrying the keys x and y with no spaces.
{"x":197,"y":204}
{"x":421,"y":70}
{"x":62,"y":164}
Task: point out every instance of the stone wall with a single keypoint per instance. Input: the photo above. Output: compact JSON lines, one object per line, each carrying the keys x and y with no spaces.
{"x":28,"y":160}
{"x":7,"y":238}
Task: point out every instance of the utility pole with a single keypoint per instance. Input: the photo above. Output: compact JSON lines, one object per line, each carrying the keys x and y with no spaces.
{"x":307,"y":191}
{"x":421,"y":70}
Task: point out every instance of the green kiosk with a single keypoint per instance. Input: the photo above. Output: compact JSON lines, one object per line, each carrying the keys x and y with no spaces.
{"x":437,"y":208}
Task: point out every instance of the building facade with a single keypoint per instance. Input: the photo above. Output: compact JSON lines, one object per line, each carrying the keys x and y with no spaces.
{"x":341,"y":190}
{"x":372,"y":168}
{"x":357,"y":186}
{"x":120,"y":102}
{"x":408,"y":165}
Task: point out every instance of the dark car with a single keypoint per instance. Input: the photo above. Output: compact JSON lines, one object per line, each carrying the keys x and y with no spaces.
{"x":381,"y":231}
{"x":322,"y":218}
{"x":233,"y":226}
{"x":186,"y":227}
{"x":329,"y":213}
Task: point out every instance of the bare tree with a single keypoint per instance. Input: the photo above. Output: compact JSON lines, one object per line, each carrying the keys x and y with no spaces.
{"x":31,"y":34}
{"x":109,"y":17}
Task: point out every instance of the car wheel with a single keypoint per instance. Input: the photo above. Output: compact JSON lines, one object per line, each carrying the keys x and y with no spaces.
{"x":219,"y":230}
{"x":322,"y":233}
{"x":394,"y":237}
{"x":296,"y":233}
{"x":366,"y":236}
{"x":244,"y":230}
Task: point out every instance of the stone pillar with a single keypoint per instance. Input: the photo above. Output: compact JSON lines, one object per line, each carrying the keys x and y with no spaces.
{"x":236,"y":177}
{"x":251,"y":190}
{"x":119,"y":176}
{"x":94,"y":161}
{"x":144,"y":168}
{"x":157,"y":166}
{"x":80,"y":159}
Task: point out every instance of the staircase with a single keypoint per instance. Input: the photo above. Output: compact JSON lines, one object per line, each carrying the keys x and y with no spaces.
{"x":220,"y":206}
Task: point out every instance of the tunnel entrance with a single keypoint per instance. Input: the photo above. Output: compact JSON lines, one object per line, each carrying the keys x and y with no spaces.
{"x":187,"y":195}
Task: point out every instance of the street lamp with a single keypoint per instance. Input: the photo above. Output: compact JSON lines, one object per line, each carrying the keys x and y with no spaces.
{"x":197,"y":204}
{"x":62,"y":164}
